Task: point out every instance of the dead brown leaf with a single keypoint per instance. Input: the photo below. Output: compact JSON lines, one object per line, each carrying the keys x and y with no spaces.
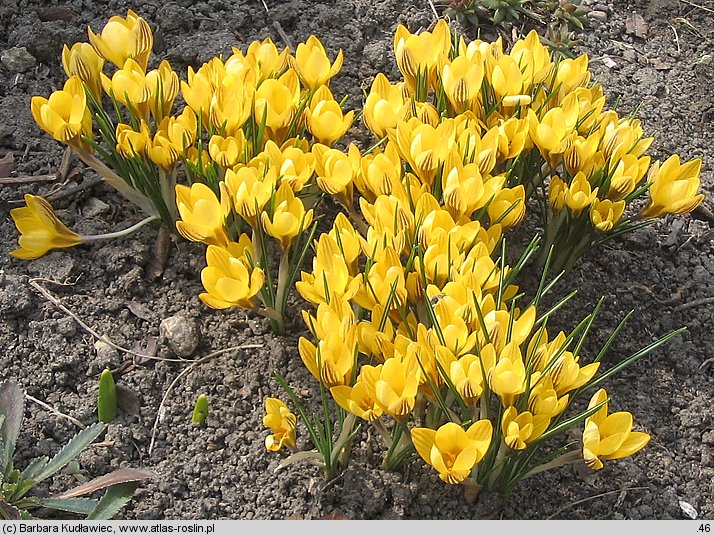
{"x":115,"y":477}
{"x":7,"y":164}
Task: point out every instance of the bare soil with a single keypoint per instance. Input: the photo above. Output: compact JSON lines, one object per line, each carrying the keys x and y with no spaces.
{"x":662,"y":63}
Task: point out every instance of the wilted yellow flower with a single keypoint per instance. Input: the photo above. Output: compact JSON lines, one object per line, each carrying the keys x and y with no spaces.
{"x":312,"y":64}
{"x":609,"y":437}
{"x":384,"y":106}
{"x":325,"y":119}
{"x":604,"y":214}
{"x":674,"y":187}
{"x":282,"y":422}
{"x":40,"y":229}
{"x":228,"y":151}
{"x":83,"y":61}
{"x":521,"y":429}
{"x":451,"y":450}
{"x":228,"y":277}
{"x":202,"y":214}
{"x":288,"y":218}
{"x":121,"y":39}
{"x":65,"y":115}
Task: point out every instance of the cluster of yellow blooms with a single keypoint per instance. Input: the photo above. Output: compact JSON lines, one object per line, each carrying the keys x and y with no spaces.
{"x":415,"y":317}
{"x":414,"y":320}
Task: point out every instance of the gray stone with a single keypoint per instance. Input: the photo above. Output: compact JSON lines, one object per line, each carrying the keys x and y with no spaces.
{"x":18,"y":59}
{"x":181,"y":333}
{"x":600,"y":16}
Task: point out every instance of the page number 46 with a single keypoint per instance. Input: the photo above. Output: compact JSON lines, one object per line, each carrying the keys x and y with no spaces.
{"x":704,"y":527}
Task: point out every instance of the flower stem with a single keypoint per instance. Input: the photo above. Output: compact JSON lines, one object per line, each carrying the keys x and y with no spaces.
{"x":119,"y":234}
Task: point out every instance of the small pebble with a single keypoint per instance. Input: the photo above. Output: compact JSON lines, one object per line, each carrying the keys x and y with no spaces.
{"x":18,"y":59}
{"x":598,"y":16}
{"x":181,"y":333}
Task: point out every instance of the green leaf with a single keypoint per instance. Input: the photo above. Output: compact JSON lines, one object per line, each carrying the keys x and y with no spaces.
{"x":113,"y":500}
{"x":34,"y":468}
{"x":107,"y":398}
{"x":71,"y":450}
{"x":12,"y":407}
{"x":200,"y":410}
{"x":77,"y":505}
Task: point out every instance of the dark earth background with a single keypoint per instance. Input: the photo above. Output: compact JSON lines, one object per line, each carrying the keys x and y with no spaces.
{"x":657,"y":54}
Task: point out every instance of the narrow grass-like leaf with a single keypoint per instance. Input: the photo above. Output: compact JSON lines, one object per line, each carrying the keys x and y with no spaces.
{"x":79,"y":505}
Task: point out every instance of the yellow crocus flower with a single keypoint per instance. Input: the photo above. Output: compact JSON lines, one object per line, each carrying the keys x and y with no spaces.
{"x":250,"y":190}
{"x":40,"y":229}
{"x":468,"y":376}
{"x":380,"y":173}
{"x":264,"y":57}
{"x":289,"y":217}
{"x":552,"y":134}
{"x":507,"y":82}
{"x":173,"y":138}
{"x":420,"y":53}
{"x":228,"y":151}
{"x":282,"y":422}
{"x":674,"y":187}
{"x":397,"y":384}
{"x":163,"y":86}
{"x":508,"y":378}
{"x":533,"y":58}
{"x":330,"y":274}
{"x":543,"y":399}
{"x":332,"y":360}
{"x":567,"y":374}
{"x":628,"y":173}
{"x":580,"y":195}
{"x":521,"y":429}
{"x":277,"y":101}
{"x":312,"y":64}
{"x":65,"y":115}
{"x":128,"y":86}
{"x":201,"y":85}
{"x":230,"y":108}
{"x":202,"y":213}
{"x":461,"y":79}
{"x":336,"y":170}
{"x":451,"y":450}
{"x":508,"y":207}
{"x":83,"y":61}
{"x":293,"y":162}
{"x":357,"y":400}
{"x":325,"y":119}
{"x":383,"y":275}
{"x":423,"y":146}
{"x":604,"y":214}
{"x":609,"y":437}
{"x":131,"y":143}
{"x":124,"y":38}
{"x":385,"y":105}
{"x":228,"y":278}
{"x":463,"y":189}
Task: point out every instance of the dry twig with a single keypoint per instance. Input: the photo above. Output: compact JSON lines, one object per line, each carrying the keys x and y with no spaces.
{"x":55,"y":411}
{"x":24,"y":179}
{"x":703,"y":8}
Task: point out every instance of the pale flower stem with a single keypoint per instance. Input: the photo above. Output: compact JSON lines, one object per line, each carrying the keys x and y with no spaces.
{"x":564,"y":459}
{"x":119,"y":234}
